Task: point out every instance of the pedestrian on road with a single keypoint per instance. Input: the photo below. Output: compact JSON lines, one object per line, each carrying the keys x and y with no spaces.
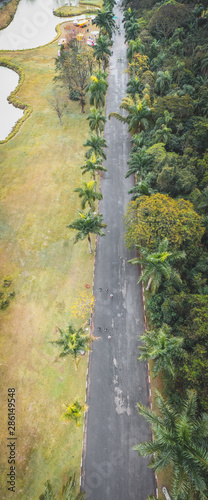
{"x":111,"y":295}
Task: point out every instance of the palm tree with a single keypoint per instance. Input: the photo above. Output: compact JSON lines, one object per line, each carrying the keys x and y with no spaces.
{"x":203,"y":205}
{"x":96,"y":120}
{"x":154,"y":49}
{"x":163,"y":82}
{"x":139,"y":162}
{"x":67,"y":492}
{"x":73,"y":342}
{"x":88,"y":194}
{"x":133,"y":86}
{"x":163,"y":348}
{"x":180,"y":440}
{"x":165,"y":119}
{"x":157,"y":265}
{"x":97,"y":88}
{"x":74,"y":412}
{"x":93,"y":166}
{"x":140,"y":189}
{"x":137,"y":141}
{"x":163,"y":134}
{"x":87,"y":224}
{"x":102,"y":49}
{"x":132,"y":29}
{"x":134,"y":47}
{"x":48,"y":494}
{"x":138,"y":114}
{"x":105,"y":21}
{"x":96,"y":145}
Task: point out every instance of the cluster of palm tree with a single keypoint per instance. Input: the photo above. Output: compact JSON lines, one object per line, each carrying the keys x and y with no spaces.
{"x":131,"y":24}
{"x":91,"y":222}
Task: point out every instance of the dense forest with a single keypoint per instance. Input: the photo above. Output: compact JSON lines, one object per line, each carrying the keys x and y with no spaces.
{"x":166,"y":109}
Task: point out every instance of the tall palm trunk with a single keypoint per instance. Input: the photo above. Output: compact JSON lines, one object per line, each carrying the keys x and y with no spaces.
{"x":149,"y":283}
{"x":90,"y":243}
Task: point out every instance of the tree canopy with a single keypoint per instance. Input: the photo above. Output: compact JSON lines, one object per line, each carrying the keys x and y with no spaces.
{"x":158,"y":216}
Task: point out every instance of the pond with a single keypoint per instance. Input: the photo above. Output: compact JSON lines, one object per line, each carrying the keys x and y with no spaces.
{"x":33,"y":25}
{"x":8,"y":113}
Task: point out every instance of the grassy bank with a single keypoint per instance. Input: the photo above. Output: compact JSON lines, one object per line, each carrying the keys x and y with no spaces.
{"x":7,"y":13}
{"x":40,"y":169}
{"x":83,"y":8}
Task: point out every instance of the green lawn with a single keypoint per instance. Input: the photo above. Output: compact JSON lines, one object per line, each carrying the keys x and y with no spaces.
{"x":84,"y":7}
{"x":39,"y":171}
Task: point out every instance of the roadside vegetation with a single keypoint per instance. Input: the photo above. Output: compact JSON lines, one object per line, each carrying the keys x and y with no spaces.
{"x":167,"y":220}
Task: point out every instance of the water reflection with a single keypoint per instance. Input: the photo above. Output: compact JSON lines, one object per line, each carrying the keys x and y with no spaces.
{"x":33,"y":25}
{"x":8,"y":113}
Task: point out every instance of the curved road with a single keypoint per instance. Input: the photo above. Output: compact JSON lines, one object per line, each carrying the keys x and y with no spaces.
{"x":111,"y":469}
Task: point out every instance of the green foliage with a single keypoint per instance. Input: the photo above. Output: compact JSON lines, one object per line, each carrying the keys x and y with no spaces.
{"x":163,"y":82}
{"x":105,"y":20}
{"x":162,"y":347}
{"x":139,"y":162}
{"x":96,"y":120}
{"x":134,"y":46}
{"x":102,"y":50}
{"x":87,"y":224}
{"x":67,"y":492}
{"x":180,"y":439}
{"x":74,"y":412}
{"x":49,"y":494}
{"x":97,"y":88}
{"x":73,"y":342}
{"x":88,"y":194}
{"x":157,"y":265}
{"x":6,"y":294}
{"x":167,"y":18}
{"x":73,"y":71}
{"x":93,"y":166}
{"x":96,"y":145}
{"x":138,"y":114}
{"x":182,"y":107}
{"x":195,"y":332}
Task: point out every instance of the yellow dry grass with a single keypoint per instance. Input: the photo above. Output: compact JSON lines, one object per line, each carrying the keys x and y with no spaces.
{"x":39,"y":171}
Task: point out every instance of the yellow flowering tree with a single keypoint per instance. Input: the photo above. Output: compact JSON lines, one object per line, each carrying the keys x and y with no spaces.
{"x":153,"y":218}
{"x":74,"y":412}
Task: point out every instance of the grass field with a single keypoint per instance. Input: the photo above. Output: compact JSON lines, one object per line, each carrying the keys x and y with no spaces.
{"x":39,"y":171}
{"x":82,"y":8}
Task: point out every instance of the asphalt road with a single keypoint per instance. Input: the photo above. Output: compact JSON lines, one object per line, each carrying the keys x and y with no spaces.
{"x":111,"y":469}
